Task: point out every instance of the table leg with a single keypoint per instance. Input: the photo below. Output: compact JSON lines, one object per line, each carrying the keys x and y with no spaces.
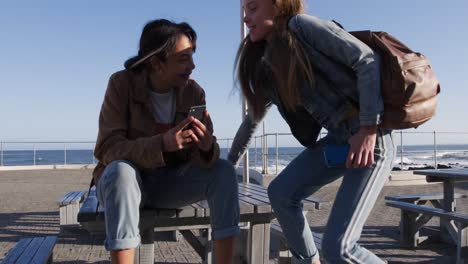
{"x":462,"y":245}
{"x":449,"y":196}
{"x":258,"y":244}
{"x":145,"y":252}
{"x":448,"y":228}
{"x":410,"y":224}
{"x":209,"y":249}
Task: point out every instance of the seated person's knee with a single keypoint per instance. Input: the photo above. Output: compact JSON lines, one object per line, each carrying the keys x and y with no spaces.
{"x":121,"y":172}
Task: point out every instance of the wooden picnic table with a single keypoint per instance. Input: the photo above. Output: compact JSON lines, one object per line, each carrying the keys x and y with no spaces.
{"x":449,"y":177}
{"x":414,"y":212}
{"x":255,"y":212}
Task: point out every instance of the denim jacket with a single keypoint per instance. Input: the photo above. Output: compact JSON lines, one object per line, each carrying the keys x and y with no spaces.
{"x":346,"y":72}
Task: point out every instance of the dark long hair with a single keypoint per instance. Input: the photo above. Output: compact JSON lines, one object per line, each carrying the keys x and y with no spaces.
{"x":159,"y":38}
{"x":285,"y":59}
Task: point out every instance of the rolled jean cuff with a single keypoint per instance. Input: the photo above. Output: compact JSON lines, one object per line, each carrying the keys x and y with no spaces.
{"x":118,"y":244}
{"x":310,"y":260}
{"x":219,"y":234}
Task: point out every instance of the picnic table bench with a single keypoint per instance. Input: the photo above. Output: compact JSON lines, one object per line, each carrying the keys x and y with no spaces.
{"x":255,"y":212}
{"x":411,"y":224}
{"x":459,"y":231}
{"x":415,"y":214}
{"x":32,"y":250}
{"x":69,"y":206}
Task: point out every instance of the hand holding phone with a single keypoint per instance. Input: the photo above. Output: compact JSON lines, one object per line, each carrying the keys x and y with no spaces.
{"x":197,"y":111}
{"x":178,"y":137}
{"x":201,"y":127}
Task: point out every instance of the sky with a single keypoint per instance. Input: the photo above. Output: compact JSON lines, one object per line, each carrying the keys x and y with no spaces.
{"x":56,"y":58}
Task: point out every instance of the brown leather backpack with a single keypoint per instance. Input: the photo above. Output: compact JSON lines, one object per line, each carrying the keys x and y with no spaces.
{"x":409,"y":85}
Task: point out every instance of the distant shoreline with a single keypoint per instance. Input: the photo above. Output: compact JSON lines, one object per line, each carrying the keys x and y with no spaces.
{"x":48,"y":167}
{"x":429,"y":167}
{"x":92,"y":166}
{"x":429,"y":146}
{"x":274,"y":160}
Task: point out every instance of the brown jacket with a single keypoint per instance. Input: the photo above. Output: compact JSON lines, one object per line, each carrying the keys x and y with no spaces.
{"x":127,"y":126}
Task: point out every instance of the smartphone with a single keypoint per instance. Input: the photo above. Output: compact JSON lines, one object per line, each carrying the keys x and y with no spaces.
{"x":197,"y":111}
{"x":335,"y":155}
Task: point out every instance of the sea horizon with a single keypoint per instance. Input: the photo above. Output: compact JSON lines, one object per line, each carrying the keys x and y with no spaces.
{"x":414,"y":156}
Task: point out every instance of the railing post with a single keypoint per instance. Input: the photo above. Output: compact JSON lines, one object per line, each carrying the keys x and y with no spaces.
{"x":1,"y":153}
{"x":65,"y":153}
{"x":435,"y":150}
{"x":401,"y":150}
{"x":255,"y":152}
{"x":266,"y":154}
{"x":263,"y":152}
{"x":276,"y":146}
{"x":34,"y":150}
{"x":246,"y":172}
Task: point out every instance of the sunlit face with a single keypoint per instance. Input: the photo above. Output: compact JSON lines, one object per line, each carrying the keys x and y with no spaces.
{"x":258,"y":17}
{"x":176,"y":70}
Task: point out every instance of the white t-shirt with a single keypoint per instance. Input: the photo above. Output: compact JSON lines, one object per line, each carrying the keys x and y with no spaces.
{"x":163,"y":106}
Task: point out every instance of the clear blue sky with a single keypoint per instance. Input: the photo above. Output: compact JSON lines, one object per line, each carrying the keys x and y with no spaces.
{"x":56,"y":57}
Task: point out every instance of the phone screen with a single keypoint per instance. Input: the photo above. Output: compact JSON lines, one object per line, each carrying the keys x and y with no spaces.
{"x":336,"y":155}
{"x":197,"y":111}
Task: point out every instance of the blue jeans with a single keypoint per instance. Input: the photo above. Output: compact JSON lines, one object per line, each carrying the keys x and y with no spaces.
{"x":123,"y":190}
{"x":355,"y":198}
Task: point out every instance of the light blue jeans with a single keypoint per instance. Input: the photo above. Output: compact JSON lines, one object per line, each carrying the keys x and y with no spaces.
{"x":354,"y":201}
{"x":123,"y":190}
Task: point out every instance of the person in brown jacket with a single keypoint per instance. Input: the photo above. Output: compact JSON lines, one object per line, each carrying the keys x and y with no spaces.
{"x":151,"y":153}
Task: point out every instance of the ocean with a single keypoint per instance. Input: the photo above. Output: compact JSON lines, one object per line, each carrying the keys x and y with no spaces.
{"x":413,"y":157}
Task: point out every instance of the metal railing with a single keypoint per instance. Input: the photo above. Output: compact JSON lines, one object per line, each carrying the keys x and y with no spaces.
{"x":266,"y":156}
{"x":263,"y":147}
{"x":35,"y":149}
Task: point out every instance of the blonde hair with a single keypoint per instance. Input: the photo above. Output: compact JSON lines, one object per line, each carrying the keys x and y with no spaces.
{"x":285,"y":57}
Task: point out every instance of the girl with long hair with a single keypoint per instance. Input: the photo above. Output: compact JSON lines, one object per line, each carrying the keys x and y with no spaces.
{"x":318,"y":76}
